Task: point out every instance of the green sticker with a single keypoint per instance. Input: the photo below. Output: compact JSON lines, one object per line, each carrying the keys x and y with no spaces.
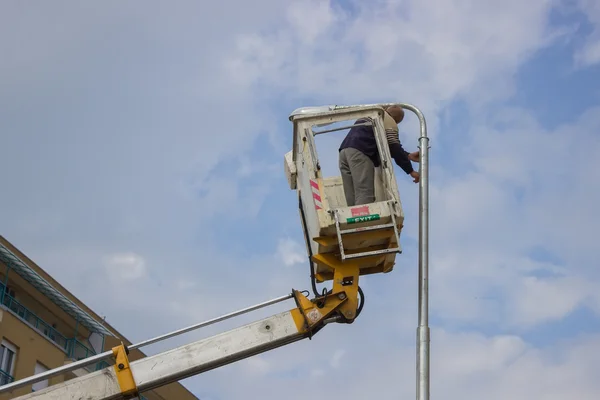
{"x":364,"y":218}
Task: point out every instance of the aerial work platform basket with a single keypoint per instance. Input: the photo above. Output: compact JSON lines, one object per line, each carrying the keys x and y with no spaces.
{"x":367,"y":234}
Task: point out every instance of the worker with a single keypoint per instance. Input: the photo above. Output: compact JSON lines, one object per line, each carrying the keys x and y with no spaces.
{"x":358,"y":157}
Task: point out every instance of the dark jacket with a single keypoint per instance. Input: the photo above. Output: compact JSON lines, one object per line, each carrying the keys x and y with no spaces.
{"x":362,"y":139}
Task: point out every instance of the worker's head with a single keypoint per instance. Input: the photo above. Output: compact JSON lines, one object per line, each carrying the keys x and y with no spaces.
{"x":396,"y":112}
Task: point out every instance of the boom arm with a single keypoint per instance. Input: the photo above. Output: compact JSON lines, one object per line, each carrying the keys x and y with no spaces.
{"x":174,"y":365}
{"x":125,"y":380}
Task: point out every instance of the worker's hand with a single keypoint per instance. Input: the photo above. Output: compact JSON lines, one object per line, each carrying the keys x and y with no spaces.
{"x":414,"y":156}
{"x":415,"y":176}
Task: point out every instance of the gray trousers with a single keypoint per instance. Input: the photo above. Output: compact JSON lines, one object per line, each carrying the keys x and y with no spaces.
{"x":358,"y":177}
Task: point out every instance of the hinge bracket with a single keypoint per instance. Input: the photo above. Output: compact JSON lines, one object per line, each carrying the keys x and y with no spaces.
{"x":123,"y":371}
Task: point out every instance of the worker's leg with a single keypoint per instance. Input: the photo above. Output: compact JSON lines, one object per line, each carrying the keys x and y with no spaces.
{"x":363,"y":176}
{"x":347,"y":182}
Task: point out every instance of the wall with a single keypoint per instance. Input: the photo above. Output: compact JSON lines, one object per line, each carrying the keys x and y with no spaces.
{"x":31,"y":348}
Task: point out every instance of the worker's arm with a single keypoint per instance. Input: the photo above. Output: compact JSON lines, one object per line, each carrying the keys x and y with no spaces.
{"x":396,"y":150}
{"x":401,"y":157}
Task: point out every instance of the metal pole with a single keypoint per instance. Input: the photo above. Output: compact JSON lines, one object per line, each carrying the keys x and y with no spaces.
{"x":423,"y":339}
{"x":102,"y":356}
{"x":211,"y":321}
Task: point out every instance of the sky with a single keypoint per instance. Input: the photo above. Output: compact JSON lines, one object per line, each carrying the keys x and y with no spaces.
{"x":142,"y":153}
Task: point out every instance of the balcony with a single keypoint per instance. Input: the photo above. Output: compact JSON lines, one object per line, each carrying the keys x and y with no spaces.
{"x":5,"y":378}
{"x":73,"y":348}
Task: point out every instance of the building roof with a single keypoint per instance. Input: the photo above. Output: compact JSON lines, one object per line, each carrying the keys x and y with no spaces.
{"x":32,"y":277}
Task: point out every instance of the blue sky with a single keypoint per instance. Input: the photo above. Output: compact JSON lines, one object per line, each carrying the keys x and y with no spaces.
{"x":143,"y":151}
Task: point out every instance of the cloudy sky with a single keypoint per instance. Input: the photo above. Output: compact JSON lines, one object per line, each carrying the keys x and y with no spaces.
{"x":142,"y":151}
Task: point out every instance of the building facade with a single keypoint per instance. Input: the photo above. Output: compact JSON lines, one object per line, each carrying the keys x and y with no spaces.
{"x":43,"y":326}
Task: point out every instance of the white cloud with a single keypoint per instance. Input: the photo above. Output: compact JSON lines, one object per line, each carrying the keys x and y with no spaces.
{"x":336,"y":358}
{"x":484,"y":354}
{"x":311,"y":19}
{"x":474,"y":366}
{"x":410,"y":51}
{"x":290,"y":252}
{"x":537,"y":300}
{"x":125,"y":267}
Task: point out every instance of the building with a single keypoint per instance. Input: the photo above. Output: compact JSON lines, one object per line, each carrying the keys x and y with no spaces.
{"x":43,"y":326}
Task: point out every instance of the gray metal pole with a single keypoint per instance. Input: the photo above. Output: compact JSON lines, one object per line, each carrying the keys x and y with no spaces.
{"x":211,"y":321}
{"x":423,"y":339}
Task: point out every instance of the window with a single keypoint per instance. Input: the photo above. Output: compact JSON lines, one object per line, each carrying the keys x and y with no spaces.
{"x":39,"y":368}
{"x":8,"y":355}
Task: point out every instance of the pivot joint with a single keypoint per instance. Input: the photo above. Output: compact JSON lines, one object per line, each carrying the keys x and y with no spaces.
{"x":123,"y":371}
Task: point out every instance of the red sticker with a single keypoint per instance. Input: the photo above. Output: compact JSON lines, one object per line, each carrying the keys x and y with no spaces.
{"x":360,"y":211}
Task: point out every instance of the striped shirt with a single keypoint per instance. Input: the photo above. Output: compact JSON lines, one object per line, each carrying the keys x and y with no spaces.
{"x":362,"y":138}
